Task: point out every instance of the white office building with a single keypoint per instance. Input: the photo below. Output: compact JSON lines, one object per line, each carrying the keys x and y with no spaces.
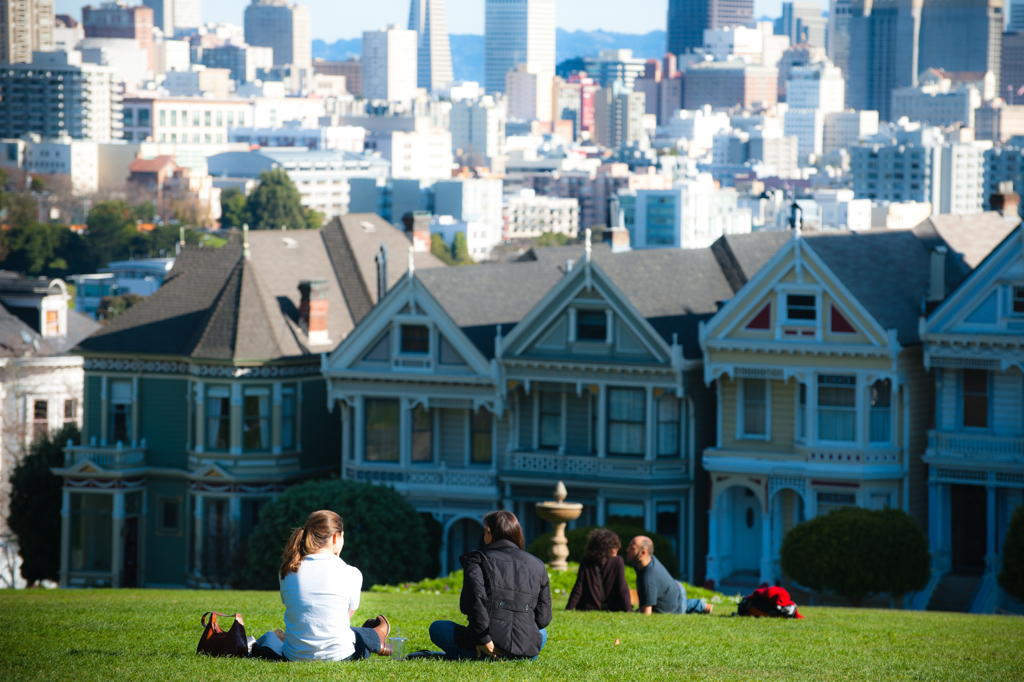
{"x":433,"y":53}
{"x":816,"y":86}
{"x":694,"y":131}
{"x":478,"y":130}
{"x":337,"y":138}
{"x":528,"y":94}
{"x":937,"y":101}
{"x":477,"y":200}
{"x":735,"y":41}
{"x":691,"y":215}
{"x":421,"y":154}
{"x":517,"y":32}
{"x":808,"y":127}
{"x":844,"y":129}
{"x":838,"y":209}
{"x":186,"y":14}
{"x":528,"y":215}
{"x":481,"y":238}
{"x":283,"y":27}
{"x":389,"y":64}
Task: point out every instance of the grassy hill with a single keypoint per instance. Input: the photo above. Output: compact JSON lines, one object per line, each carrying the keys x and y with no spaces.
{"x":152,"y":634}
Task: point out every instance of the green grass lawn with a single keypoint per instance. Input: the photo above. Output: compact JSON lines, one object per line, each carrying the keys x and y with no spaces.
{"x":82,"y":635}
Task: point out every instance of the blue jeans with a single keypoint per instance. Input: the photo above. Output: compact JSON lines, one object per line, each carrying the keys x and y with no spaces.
{"x":693,"y":605}
{"x":367,"y":643}
{"x":442,"y":634}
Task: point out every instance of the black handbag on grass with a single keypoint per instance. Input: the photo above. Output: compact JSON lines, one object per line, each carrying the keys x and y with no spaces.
{"x":216,"y":642}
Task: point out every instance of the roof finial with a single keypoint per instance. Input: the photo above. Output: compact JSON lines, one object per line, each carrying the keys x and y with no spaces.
{"x":246,"y":254}
{"x":412,"y":261}
{"x":588,"y":248}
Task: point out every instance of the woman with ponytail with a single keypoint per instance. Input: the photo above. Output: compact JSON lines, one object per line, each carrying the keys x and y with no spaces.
{"x":321,"y":593}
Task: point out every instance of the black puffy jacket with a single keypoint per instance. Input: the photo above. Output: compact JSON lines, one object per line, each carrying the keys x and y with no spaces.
{"x":507,"y":598}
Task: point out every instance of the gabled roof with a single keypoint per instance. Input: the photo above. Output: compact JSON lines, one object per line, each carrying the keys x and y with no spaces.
{"x":972,"y":236}
{"x":216,"y":305}
{"x":18,"y":339}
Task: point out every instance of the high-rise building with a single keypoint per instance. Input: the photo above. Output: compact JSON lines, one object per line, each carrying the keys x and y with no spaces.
{"x":618,"y":116}
{"x":687,"y":20}
{"x":284,"y":27}
{"x":838,"y":38}
{"x":730,"y":84}
{"x":517,"y":32}
{"x":163,"y":15}
{"x":433,"y":53}
{"x":26,"y":26}
{"x":243,"y":61}
{"x":961,"y":35}
{"x":389,"y":64}
{"x":79,"y":100}
{"x":187,"y":13}
{"x":816,"y":86}
{"x":1016,"y":19}
{"x":351,"y":69}
{"x":1012,"y":71}
{"x":885,"y":33}
{"x":113,"y":20}
{"x":528,"y":94}
{"x":802,"y":22}
{"x":937,"y":101}
{"x":843,"y":129}
{"x":478,"y":130}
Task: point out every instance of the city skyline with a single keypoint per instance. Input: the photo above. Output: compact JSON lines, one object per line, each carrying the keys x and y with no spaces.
{"x":464,"y":16}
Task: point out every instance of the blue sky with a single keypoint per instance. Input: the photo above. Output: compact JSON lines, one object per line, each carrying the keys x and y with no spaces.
{"x":333,"y":19}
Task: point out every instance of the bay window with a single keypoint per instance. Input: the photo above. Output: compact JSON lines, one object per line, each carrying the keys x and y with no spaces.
{"x":881,"y":412}
{"x":754,"y":416}
{"x":837,"y":407}
{"x":626,"y":421}
{"x":422,"y":438}
{"x":218,"y":418}
{"x":975,"y":398}
{"x":256,"y":421}
{"x":382,"y":430}
{"x":668,"y":426}
{"x":480,"y":436}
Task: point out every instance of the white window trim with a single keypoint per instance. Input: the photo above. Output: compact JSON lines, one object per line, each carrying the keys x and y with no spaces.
{"x":893,"y":411}
{"x":782,"y":316}
{"x":858,"y":412}
{"x":741,"y":412}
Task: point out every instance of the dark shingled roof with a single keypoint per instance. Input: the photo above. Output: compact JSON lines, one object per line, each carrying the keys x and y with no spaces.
{"x":216,"y":305}
{"x":19,"y":339}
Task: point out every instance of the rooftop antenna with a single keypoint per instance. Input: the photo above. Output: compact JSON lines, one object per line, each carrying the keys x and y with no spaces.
{"x":246,"y":254}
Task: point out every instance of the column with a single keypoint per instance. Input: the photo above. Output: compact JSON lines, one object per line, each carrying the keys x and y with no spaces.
{"x":104,"y":414}
{"x":711,"y":571}
{"x":65,"y":536}
{"x":236,"y":419}
{"x":140,"y":560}
{"x":990,"y":526}
{"x":234,"y":521}
{"x":199,"y":441}
{"x":405,"y":432}
{"x":117,"y":542}
{"x":275,"y":419}
{"x":197,"y":554}
{"x":766,"y":549}
{"x":650,"y":448}
{"x":135,"y":412}
{"x":602,"y":421}
{"x":601,"y":510}
{"x":346,"y":435}
{"x":358,"y":425}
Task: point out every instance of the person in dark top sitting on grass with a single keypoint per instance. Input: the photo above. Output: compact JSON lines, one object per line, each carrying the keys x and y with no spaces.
{"x":658,"y":591}
{"x":601,"y":581}
{"x":506,"y":597}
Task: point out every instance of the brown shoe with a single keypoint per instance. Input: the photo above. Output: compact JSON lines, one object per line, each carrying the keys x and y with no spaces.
{"x":382,"y":627}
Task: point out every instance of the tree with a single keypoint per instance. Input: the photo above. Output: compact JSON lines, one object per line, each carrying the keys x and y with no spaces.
{"x":111,"y":227}
{"x":112,"y":306}
{"x":857,"y":553}
{"x":460,"y":249}
{"x":577,"y":540}
{"x":276,"y":202}
{"x":232,"y":207}
{"x":1011,"y":578}
{"x":553,"y":239}
{"x":36,"y":505}
{"x":314,"y":219}
{"x":144,"y":212}
{"x":439,"y":248}
{"x":384,"y":535}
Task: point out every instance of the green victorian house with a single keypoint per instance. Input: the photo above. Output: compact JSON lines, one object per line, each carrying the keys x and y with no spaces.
{"x":206,"y":399}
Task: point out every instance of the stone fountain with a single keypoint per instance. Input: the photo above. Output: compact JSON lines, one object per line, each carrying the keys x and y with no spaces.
{"x":559,"y":513}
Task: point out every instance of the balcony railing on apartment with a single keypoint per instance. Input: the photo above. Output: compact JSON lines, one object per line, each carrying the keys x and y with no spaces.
{"x":824,"y":454}
{"x":118,"y":456}
{"x":582,"y":467}
{"x":433,"y":477}
{"x":976,"y":446}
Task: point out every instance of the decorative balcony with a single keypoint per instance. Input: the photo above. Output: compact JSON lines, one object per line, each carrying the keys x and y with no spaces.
{"x":434,"y":477}
{"x":975,"y":446}
{"x":824,"y":454}
{"x":574,"y":467}
{"x":247,"y":463}
{"x":117,"y":456}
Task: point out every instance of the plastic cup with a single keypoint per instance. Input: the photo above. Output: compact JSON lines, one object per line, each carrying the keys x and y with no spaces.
{"x":397,"y":648}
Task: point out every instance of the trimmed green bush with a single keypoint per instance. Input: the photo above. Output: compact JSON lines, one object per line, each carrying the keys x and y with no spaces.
{"x":856,"y":553}
{"x":1011,"y":578}
{"x":385,"y":537}
{"x":578,"y":544}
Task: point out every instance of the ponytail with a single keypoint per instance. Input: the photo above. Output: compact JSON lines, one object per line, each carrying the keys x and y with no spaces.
{"x":318,"y":530}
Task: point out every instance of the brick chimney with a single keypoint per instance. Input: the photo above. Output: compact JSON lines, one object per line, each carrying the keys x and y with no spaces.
{"x":313,"y":310}
{"x":417,"y":229}
{"x":618,"y":237}
{"x":1006,"y":201}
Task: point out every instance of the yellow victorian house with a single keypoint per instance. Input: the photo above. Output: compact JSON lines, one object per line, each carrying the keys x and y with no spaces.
{"x":823,"y":400}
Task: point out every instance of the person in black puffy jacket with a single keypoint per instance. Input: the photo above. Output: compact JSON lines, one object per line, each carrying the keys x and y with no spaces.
{"x":505,"y":595}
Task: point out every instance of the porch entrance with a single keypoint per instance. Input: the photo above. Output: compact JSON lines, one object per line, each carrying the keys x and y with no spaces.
{"x":968,"y":528}
{"x":130,"y":570}
{"x":746,"y":530}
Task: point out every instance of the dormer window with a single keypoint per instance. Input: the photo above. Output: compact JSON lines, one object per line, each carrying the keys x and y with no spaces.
{"x":415,"y":339}
{"x":1017,"y":302}
{"x":801,"y":308}
{"x":591,"y":325}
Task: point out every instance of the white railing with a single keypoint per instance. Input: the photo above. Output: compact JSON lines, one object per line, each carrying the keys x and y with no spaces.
{"x":976,"y":445}
{"x":593,"y":467}
{"x":454,"y":478}
{"x":107,"y":457}
{"x":823,"y":454}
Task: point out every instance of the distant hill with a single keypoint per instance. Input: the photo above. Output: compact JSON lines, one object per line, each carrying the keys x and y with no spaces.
{"x":468,"y":49}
